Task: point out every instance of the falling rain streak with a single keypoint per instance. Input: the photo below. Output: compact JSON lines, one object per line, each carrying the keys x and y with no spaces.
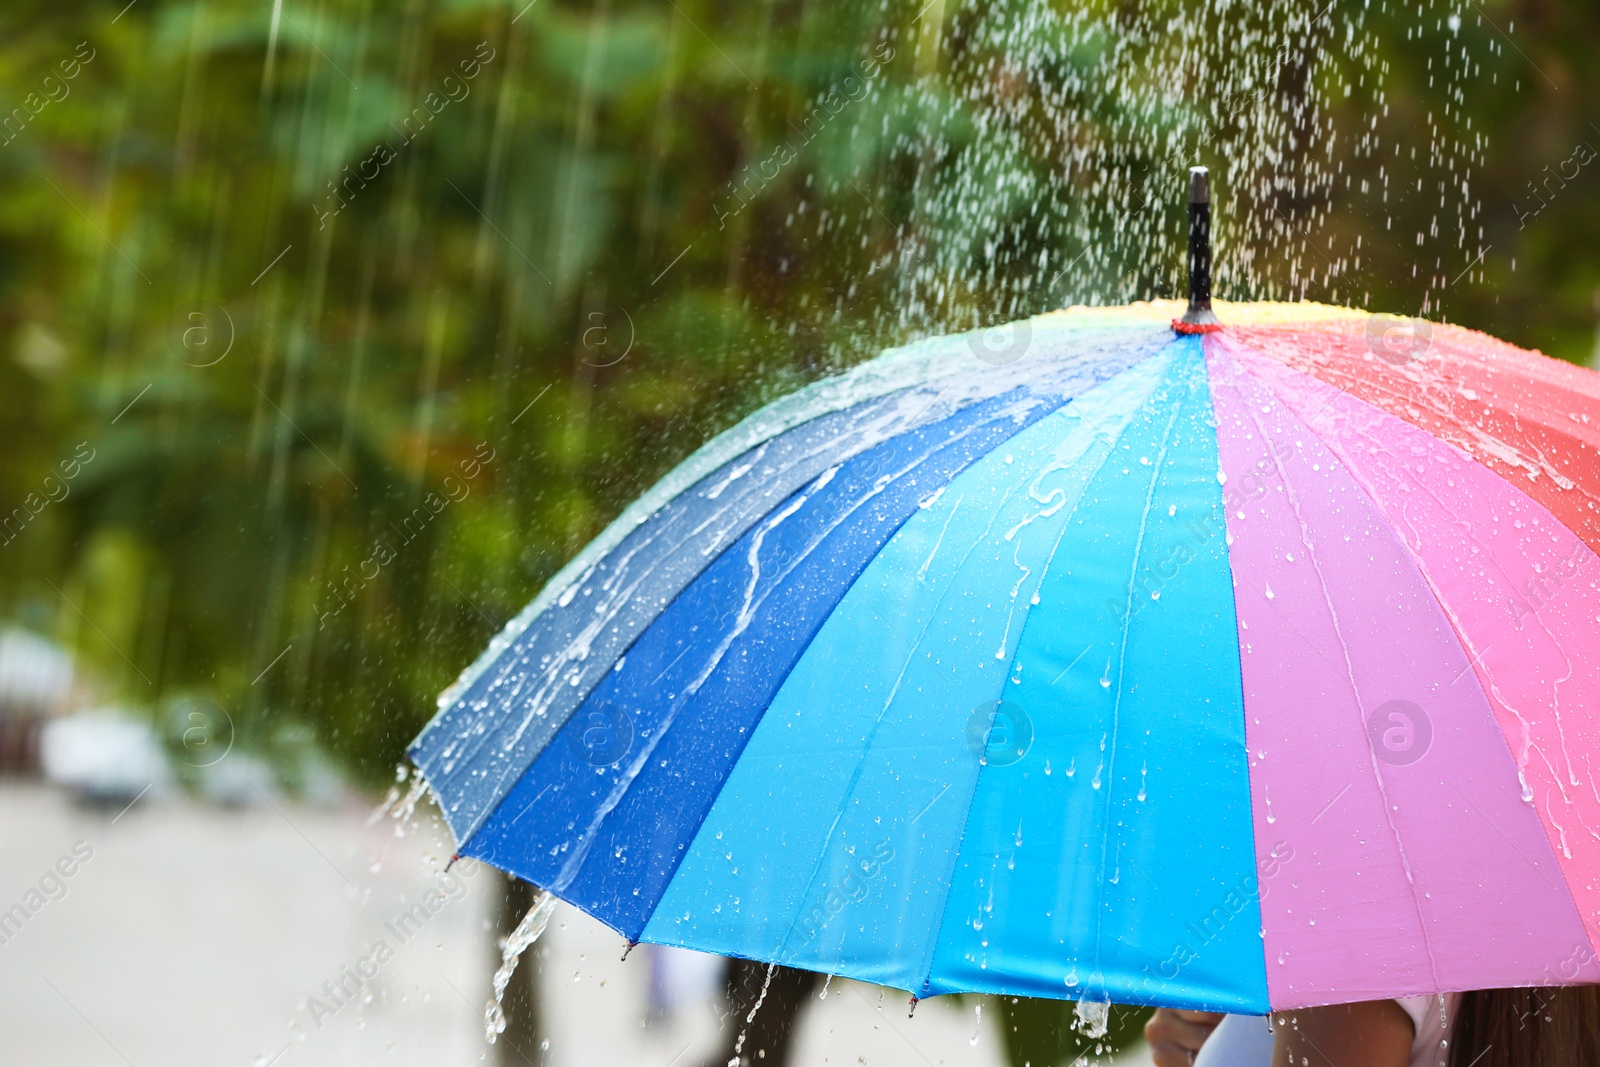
{"x":412,"y":225}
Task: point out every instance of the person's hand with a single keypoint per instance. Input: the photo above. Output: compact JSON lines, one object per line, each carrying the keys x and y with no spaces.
{"x":1176,"y":1034}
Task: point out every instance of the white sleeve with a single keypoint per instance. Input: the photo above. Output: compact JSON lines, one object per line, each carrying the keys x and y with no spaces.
{"x":1238,"y":1041}
{"x":1431,"y":1019}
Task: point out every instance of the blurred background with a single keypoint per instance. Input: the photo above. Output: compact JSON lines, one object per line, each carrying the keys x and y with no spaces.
{"x":329,"y":330}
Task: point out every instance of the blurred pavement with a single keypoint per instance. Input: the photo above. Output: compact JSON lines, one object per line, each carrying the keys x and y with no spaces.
{"x":199,"y":935}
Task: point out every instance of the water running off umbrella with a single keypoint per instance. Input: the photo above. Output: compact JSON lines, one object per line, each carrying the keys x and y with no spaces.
{"x":511,"y":949}
{"x":401,"y":809}
{"x":738,"y":1046}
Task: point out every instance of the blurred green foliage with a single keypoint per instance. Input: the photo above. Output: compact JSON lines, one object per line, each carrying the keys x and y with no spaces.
{"x":283,"y":273}
{"x":1047,"y":1032}
{"x":281,"y":269}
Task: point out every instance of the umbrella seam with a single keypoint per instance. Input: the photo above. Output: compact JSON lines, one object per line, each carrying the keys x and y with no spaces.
{"x":1311,"y":556}
{"x":1122,"y":656}
{"x":683,"y":852}
{"x":1244,"y":715}
{"x":1078,"y":358}
{"x":1450,"y":616}
{"x":930,"y":953}
{"x":919,"y":368}
{"x":822,"y":854}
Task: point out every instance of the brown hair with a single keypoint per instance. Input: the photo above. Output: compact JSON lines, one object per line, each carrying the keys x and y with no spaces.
{"x":1540,"y":1027}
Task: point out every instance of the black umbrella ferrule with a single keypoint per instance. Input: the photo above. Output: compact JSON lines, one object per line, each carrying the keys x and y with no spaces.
{"x":1199,"y":317}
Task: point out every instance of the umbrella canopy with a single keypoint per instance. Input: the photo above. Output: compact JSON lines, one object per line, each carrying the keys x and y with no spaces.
{"x":1080,"y":659}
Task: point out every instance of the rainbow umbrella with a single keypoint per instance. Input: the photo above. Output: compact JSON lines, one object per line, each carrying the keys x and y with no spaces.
{"x":1090,"y":660}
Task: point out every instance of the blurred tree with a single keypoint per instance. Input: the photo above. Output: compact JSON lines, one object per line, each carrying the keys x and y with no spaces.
{"x":764,"y":1007}
{"x":287,"y":278}
{"x":523,"y":1042}
{"x":1047,"y":1032}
